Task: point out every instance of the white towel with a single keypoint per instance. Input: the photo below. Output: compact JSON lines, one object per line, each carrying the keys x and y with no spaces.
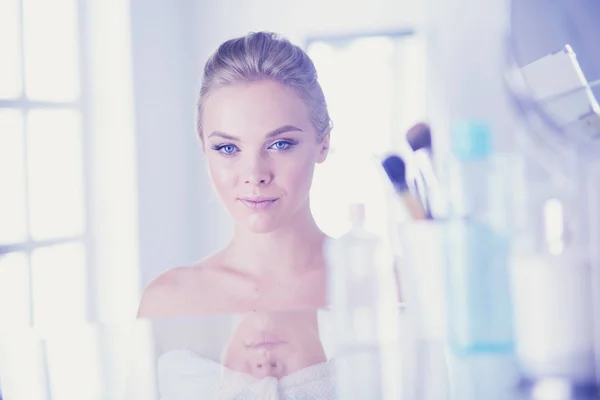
{"x":184,"y":375}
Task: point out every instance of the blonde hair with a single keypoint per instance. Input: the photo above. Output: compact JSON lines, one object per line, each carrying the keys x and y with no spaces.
{"x":266,"y":56}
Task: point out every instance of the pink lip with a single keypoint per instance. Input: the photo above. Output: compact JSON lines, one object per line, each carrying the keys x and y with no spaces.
{"x":265,"y":346}
{"x":266,"y":341}
{"x":258,"y":203}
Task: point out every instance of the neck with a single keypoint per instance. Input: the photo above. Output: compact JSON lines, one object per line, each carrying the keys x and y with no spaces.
{"x":291,"y":249}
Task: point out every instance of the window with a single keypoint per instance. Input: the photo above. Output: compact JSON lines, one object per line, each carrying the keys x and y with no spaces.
{"x":375,"y":90}
{"x":43,"y":232}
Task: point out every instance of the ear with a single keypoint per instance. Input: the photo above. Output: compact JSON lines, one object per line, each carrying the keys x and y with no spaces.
{"x":324,"y":150}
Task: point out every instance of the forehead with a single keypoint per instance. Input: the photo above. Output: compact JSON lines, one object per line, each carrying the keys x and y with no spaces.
{"x":256,"y":107}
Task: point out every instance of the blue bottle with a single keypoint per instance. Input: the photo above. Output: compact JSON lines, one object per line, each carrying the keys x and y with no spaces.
{"x":479,"y":310}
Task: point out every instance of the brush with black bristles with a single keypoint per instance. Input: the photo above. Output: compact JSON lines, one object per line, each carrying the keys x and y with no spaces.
{"x":419,"y":137}
{"x":395,"y":168}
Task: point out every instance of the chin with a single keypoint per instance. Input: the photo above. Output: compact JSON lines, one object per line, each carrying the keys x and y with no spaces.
{"x":261,"y":227}
{"x":261,"y":223}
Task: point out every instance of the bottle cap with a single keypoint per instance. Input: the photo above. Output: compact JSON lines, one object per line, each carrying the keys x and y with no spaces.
{"x":471,"y":140}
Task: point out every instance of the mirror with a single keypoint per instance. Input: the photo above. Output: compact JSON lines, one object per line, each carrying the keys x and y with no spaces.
{"x":554,"y":70}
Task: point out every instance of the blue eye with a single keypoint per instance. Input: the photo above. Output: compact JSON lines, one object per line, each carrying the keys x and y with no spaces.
{"x":283,"y":145}
{"x":226,"y":149}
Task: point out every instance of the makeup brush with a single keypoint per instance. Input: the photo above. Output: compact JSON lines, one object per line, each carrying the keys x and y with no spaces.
{"x":395,"y":168}
{"x":419,"y":137}
{"x":426,"y":180}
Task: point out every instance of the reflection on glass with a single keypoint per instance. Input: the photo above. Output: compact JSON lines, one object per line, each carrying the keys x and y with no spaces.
{"x":54,"y":147}
{"x":265,"y":355}
{"x":13,"y":226}
{"x":59,"y":284}
{"x":274,"y":344}
{"x":218,"y":356}
{"x":10,"y":67}
{"x":50,"y":47}
{"x":14,"y":291}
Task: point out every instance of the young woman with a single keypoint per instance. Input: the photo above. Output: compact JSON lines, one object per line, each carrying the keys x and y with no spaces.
{"x":264,"y":124}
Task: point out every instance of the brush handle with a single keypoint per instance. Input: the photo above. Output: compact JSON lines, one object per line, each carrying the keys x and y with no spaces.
{"x":414,"y":206}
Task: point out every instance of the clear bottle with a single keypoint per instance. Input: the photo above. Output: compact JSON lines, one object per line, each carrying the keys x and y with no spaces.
{"x":552,"y":268}
{"x":361,"y":295}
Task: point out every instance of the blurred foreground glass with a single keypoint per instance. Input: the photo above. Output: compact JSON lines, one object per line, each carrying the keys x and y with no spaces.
{"x":421,"y":269}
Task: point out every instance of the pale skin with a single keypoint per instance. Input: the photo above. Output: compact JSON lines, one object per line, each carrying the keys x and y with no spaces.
{"x":259,"y":144}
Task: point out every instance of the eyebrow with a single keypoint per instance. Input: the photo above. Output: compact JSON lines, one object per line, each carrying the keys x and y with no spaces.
{"x":272,"y":134}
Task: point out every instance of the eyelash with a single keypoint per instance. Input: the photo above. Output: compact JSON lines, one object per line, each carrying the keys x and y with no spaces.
{"x":219,"y":147}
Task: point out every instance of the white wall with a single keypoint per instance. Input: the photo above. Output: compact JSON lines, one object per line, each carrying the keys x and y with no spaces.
{"x":164,"y":129}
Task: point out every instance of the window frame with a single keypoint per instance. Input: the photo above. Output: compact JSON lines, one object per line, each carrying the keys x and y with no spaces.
{"x":80,"y":105}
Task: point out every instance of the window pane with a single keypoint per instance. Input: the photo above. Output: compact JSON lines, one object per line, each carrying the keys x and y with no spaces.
{"x":362,"y":128}
{"x":13,"y":226}
{"x":14,"y":291}
{"x":10,"y":67}
{"x":55,"y":173}
{"x":50,"y":41}
{"x":59,"y":284}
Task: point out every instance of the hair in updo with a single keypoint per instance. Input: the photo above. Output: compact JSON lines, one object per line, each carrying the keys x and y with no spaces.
{"x":266,"y":56}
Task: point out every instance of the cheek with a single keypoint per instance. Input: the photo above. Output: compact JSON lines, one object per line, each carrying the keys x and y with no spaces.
{"x":297,"y":175}
{"x":221,"y":174}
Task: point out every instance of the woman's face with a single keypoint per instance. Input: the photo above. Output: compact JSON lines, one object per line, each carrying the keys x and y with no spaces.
{"x":275,"y":344}
{"x":261,"y":150}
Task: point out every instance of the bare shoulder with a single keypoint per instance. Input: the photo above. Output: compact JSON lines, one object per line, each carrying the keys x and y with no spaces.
{"x":178,"y":290}
{"x":160,"y":294}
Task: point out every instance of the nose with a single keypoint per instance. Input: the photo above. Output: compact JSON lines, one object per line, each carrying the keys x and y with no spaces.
{"x":258,"y":171}
{"x":267,"y":366}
